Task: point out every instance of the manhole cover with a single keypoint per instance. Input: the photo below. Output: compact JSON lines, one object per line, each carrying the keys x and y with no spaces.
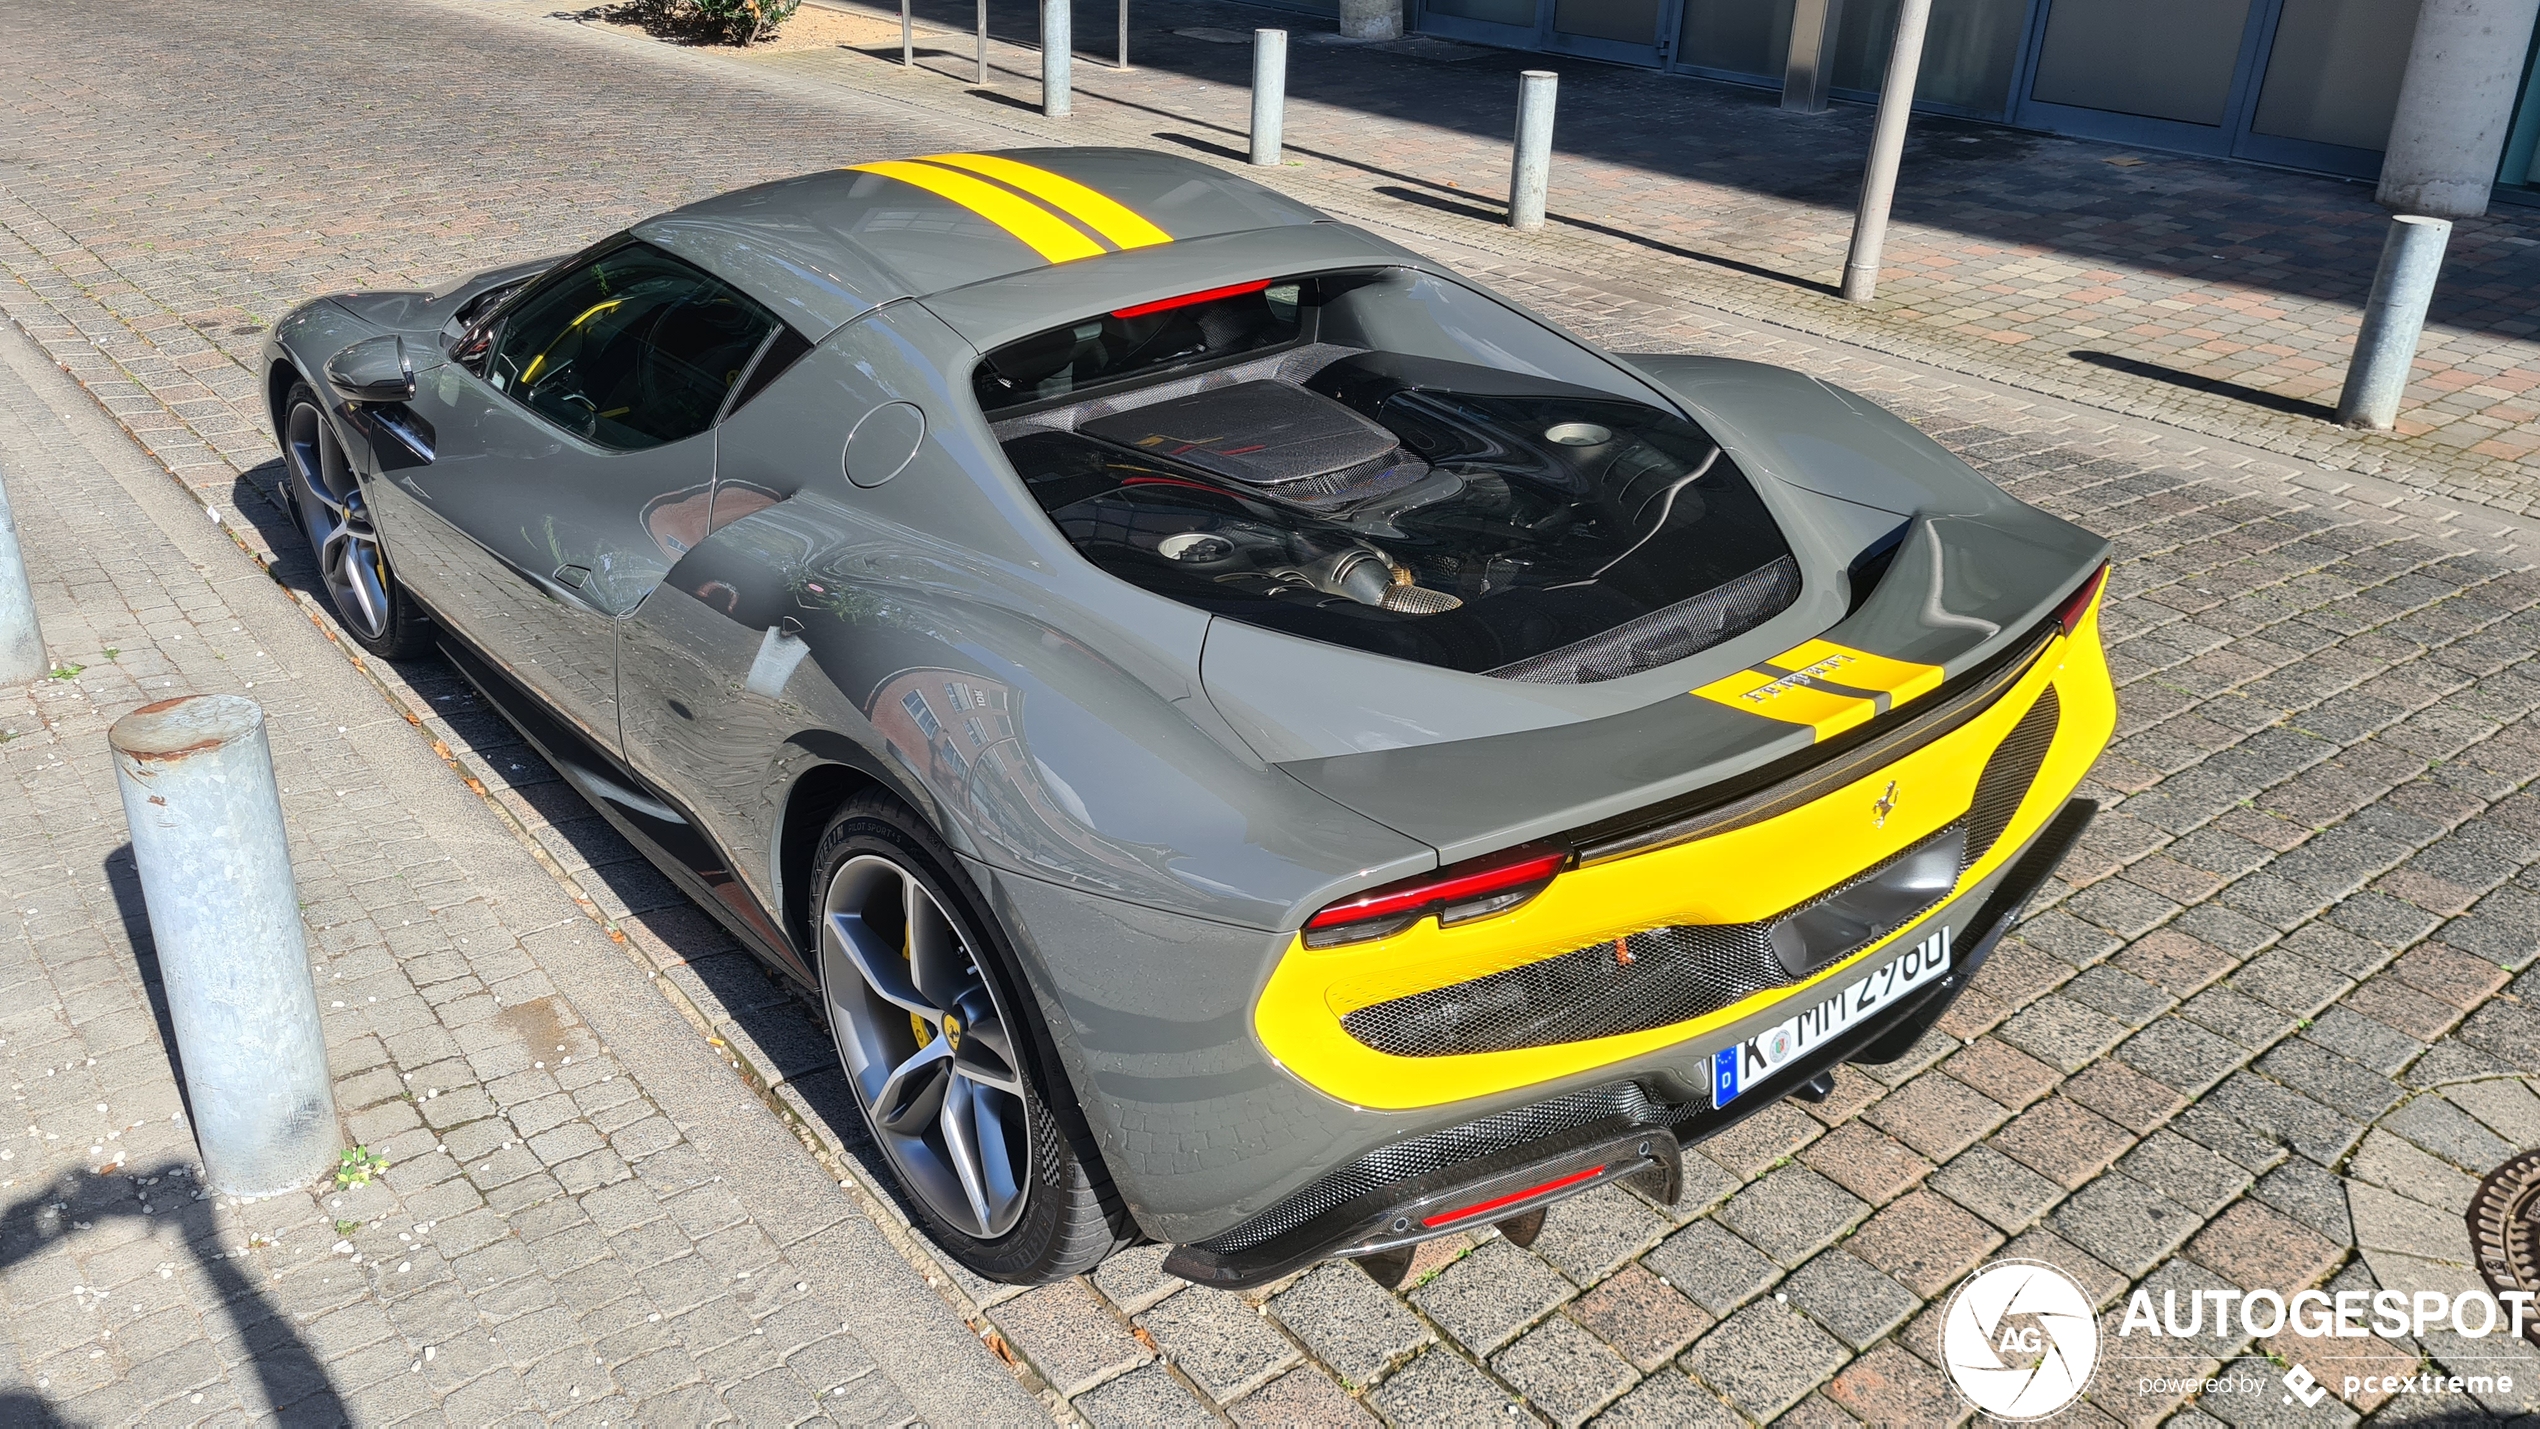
{"x":2504,"y":1229}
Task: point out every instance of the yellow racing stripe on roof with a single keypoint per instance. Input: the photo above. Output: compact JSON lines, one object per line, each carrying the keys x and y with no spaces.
{"x":1096,"y":210}
{"x":1828,"y":687}
{"x":1035,"y":227}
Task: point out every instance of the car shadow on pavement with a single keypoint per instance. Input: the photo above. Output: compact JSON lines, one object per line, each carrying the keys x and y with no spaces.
{"x":287,"y":1371}
{"x":2216,"y":386}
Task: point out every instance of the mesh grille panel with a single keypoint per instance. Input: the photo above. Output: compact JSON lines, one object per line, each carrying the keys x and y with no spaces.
{"x":2009,"y":773}
{"x":1647,"y":980}
{"x":1685,"y":628}
{"x":1391,"y":1165}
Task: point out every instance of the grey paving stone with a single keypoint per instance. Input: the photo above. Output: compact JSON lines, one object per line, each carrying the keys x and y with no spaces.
{"x":1222,"y":1343}
{"x":1667,"y":1400}
{"x":1585,"y":1237}
{"x":2329,"y":1079}
{"x":1713,"y":1268}
{"x":2245,"y":1020}
{"x":2181,"y":1054}
{"x":1996,"y":1187}
{"x":1765,"y":1358}
{"x":2185,"y":1172}
{"x":1484,"y":1299}
{"x":2062,"y":1033}
{"x":1439,"y":1387}
{"x":1859,"y":1304}
{"x":1074,"y":1341}
{"x":2124,"y":1223}
{"x":1346,"y":1322}
{"x":1563,"y":1371}
{"x":1792,"y":1213}
{"x":2375,"y":1046}
{"x":2448,"y":1132}
{"x":1301,"y":1396}
{"x":1134,"y":1279}
{"x":2284,"y":1116}
{"x":1142,"y":1397}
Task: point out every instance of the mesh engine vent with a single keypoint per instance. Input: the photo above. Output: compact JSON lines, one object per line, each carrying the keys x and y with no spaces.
{"x":2009,"y":773}
{"x":1650,"y":980}
{"x":1391,"y":1165}
{"x":1663,"y":976}
{"x":1686,"y":628}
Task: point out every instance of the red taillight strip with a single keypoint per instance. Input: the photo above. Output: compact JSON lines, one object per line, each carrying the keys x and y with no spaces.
{"x":2074,"y":608}
{"x":1522,"y":866}
{"x":1513,"y":1197}
{"x":1231,"y":290}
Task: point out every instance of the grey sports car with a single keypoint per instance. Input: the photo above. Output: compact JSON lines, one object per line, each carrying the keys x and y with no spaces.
{"x":1255,"y":742}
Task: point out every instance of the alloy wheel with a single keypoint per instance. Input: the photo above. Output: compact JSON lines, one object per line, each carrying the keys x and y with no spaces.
{"x":337,"y":521}
{"x":926,"y":1045}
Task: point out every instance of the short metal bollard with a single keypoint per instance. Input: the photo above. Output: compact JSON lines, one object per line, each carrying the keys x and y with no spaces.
{"x":198,"y":792}
{"x":1269,"y":94}
{"x":1057,"y":48}
{"x":1532,"y":174}
{"x":2394,"y":319}
{"x":21,"y":640}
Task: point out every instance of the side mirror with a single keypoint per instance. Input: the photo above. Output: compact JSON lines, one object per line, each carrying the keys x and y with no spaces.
{"x":374,"y":370}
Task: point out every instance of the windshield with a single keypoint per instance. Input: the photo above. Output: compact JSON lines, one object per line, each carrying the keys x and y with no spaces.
{"x":1388,"y":461}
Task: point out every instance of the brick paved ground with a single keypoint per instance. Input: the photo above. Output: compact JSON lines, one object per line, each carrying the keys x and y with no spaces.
{"x":573,"y":1223}
{"x":2261,"y":1035}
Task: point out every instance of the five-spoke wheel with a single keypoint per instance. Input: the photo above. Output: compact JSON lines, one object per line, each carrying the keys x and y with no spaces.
{"x":336,"y":518}
{"x":926,"y":1045}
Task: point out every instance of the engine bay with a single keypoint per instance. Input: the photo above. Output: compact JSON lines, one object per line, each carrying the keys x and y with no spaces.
{"x":1454,"y":514}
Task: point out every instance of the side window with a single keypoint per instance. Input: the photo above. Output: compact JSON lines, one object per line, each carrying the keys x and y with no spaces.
{"x":633,"y":349}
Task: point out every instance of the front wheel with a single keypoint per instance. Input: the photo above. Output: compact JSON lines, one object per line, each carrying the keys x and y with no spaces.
{"x":954,"y":1087}
{"x":328,"y":503}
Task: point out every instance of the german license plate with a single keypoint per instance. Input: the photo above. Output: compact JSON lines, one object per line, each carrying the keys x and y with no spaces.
{"x":1739,"y":1069}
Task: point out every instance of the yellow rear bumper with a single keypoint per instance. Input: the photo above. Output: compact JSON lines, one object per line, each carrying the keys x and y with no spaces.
{"x":1742,"y":875}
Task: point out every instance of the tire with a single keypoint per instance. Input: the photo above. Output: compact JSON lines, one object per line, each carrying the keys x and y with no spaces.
{"x":899,"y":933}
{"x":326,"y":502}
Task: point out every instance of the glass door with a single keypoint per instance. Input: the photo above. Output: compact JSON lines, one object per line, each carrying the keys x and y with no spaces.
{"x":1625,"y":31}
{"x":2308,"y":84}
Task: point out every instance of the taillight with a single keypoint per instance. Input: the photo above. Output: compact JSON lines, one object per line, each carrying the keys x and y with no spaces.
{"x":1231,"y":290}
{"x":2079,"y":605}
{"x":1458,"y":893}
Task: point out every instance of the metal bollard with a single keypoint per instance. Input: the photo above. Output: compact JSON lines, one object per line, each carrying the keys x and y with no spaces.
{"x":983,"y":41}
{"x":1121,"y":56}
{"x":21,"y":641}
{"x":1532,"y":174}
{"x":908,"y":39}
{"x":2394,"y":318}
{"x":198,"y":793}
{"x":1056,"y":49}
{"x":1887,"y":148}
{"x":1269,"y":94}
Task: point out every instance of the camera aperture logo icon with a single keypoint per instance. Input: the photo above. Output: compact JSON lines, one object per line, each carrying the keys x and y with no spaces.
{"x":2020,"y":1340}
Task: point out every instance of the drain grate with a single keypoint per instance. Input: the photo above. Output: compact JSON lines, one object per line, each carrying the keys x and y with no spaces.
{"x":2504,"y":1229}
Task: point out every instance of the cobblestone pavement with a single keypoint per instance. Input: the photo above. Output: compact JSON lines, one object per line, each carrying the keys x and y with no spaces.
{"x":574,"y":1222}
{"x":2277,"y":1013}
{"x":2219,"y":296}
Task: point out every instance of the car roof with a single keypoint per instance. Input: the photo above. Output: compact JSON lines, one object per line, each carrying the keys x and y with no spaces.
{"x":825,"y":247}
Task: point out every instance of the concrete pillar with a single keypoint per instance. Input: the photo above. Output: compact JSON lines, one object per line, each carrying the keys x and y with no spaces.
{"x":1530,"y":177}
{"x":2456,"y":101}
{"x":21,"y":643}
{"x":1058,"y":43}
{"x":1371,"y":19}
{"x":197,"y":780}
{"x":1808,"y":75}
{"x":1887,"y":147}
{"x":1269,"y":94}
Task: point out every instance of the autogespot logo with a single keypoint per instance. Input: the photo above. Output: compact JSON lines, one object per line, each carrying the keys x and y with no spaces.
{"x":2020,"y":1340}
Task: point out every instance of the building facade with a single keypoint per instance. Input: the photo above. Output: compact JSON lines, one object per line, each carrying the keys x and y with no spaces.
{"x":2305,"y":84}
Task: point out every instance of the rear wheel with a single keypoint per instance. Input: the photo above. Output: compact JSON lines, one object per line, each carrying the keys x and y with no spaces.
{"x":954,"y":1085}
{"x":328,"y":503}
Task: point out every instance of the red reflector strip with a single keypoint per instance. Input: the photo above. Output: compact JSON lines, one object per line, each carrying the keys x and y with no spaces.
{"x":1574,"y":1178}
{"x":1403,"y":897}
{"x":2072,"y":612}
{"x":1231,"y":290}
